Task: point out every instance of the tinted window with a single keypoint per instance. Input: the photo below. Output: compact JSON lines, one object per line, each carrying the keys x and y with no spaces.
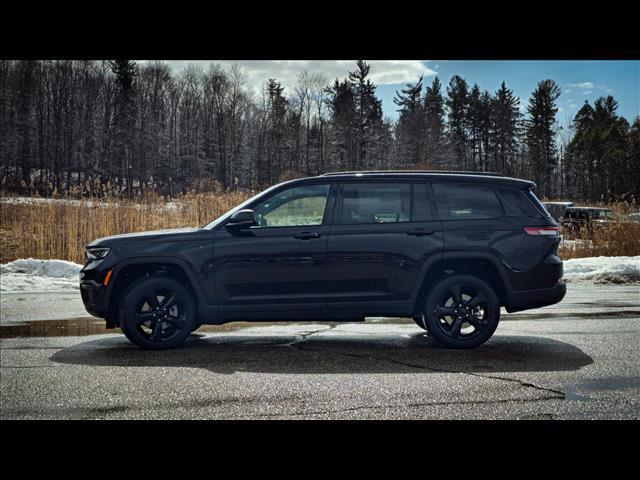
{"x":375,"y":203}
{"x":293,"y":207}
{"x":516,"y":203}
{"x":421,"y":206}
{"x":536,"y":202}
{"x":466,"y":201}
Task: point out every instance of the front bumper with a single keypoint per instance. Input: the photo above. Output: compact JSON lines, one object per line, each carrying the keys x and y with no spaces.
{"x":541,"y":297}
{"x":93,"y":297}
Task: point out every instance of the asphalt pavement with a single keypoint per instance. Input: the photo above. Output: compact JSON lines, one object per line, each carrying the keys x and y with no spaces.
{"x":576,"y":360}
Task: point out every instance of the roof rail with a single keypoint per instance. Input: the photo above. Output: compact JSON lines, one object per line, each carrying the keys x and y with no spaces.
{"x":456,"y":172}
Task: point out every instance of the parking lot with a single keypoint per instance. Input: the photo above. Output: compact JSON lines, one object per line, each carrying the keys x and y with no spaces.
{"x":576,"y":360}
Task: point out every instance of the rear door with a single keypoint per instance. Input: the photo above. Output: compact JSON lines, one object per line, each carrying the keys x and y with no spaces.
{"x":382,"y":233}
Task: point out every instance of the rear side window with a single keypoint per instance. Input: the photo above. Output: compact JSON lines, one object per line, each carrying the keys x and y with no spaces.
{"x":516,"y":203}
{"x":536,"y":202}
{"x":466,"y":201}
{"x":375,"y":203}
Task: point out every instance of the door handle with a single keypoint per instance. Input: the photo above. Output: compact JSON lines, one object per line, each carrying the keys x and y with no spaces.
{"x":306,"y":235}
{"x":420,"y":232}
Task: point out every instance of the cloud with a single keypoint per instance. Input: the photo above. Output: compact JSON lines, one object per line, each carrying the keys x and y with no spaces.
{"x":582,"y":85}
{"x":588,"y":87}
{"x":383,"y":72}
{"x":560,"y":109}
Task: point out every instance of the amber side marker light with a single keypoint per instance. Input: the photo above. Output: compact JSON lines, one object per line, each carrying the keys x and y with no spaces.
{"x":107,"y":277}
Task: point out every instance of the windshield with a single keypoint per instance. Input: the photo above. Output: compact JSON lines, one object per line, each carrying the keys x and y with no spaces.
{"x":605,"y":214}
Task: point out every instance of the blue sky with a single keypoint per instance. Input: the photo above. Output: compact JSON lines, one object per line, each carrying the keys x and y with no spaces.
{"x":579,"y":80}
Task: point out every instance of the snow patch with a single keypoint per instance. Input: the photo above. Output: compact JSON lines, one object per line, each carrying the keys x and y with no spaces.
{"x":167,"y":206}
{"x":603,"y":270}
{"x":33,"y":275}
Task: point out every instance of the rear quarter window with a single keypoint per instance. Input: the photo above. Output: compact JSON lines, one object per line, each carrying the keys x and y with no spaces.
{"x":458,"y":201}
{"x":516,"y":203}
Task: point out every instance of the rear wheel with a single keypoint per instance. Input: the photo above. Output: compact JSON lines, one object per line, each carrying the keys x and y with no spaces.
{"x":157,"y":313}
{"x":462,"y":312}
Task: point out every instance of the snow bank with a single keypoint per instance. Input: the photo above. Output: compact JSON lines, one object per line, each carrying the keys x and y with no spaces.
{"x":32,"y":275}
{"x":167,"y":206}
{"x":603,"y":270}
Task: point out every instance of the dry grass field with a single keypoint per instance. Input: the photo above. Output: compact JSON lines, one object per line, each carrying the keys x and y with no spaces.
{"x":44,"y":228}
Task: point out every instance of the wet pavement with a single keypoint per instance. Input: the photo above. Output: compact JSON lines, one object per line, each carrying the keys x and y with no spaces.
{"x":579,"y":359}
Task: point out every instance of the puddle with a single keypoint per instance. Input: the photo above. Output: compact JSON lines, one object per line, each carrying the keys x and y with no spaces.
{"x":81,"y":327}
{"x":563,"y":315}
{"x":78,"y":327}
{"x":611,"y":383}
{"x":599,"y":385}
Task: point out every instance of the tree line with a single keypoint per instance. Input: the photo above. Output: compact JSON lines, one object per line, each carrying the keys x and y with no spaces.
{"x":118,"y":127}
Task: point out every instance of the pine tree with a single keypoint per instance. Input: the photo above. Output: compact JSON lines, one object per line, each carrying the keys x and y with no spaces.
{"x":342,"y":109}
{"x":633,"y":162}
{"x":505,"y":126}
{"x":457,"y":120}
{"x":410,"y":127}
{"x":433,"y":105}
{"x":368,"y":117}
{"x":125,"y":72}
{"x":540,"y":137}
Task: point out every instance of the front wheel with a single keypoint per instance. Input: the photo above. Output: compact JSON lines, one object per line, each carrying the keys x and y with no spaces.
{"x":157,"y":313}
{"x":462,"y":311}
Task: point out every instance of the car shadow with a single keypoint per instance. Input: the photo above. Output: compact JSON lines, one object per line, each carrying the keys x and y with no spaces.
{"x":333,"y":354}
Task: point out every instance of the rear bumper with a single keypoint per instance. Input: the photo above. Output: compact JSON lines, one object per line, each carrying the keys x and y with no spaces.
{"x":541,"y":297}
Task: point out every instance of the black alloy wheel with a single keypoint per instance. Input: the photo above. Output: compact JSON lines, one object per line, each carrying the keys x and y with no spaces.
{"x":462,"y":312}
{"x":158,"y":313}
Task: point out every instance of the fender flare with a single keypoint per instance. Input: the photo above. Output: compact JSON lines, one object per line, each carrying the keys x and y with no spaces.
{"x":444,"y":256}
{"x":183,"y":265}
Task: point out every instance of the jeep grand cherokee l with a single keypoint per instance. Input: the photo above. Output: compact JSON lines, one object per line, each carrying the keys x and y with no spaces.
{"x":446,"y":249}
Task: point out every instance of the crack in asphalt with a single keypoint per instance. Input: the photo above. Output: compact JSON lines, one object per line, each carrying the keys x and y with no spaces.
{"x":405,"y":405}
{"x":522,"y":383}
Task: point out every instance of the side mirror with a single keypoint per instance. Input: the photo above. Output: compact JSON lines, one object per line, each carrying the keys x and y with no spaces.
{"x":240,"y":220}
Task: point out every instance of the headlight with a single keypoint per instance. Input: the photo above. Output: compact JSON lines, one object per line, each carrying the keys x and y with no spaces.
{"x":96,"y":253}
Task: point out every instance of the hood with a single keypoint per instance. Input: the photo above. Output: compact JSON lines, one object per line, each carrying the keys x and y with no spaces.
{"x":151,"y":236}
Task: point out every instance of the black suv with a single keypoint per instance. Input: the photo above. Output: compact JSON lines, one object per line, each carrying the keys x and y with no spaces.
{"x":446,"y":249}
{"x":576,"y":218}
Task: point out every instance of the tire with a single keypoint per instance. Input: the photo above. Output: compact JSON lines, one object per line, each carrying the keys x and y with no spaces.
{"x":462,"y":311}
{"x":161,"y":323}
{"x":195,"y":327}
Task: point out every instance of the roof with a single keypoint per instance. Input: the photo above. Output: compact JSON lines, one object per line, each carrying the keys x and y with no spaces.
{"x":435,"y":175}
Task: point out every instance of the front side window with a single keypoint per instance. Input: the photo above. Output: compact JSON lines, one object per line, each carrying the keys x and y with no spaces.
{"x":366,"y":203}
{"x":296,"y":206}
{"x":466,"y":201}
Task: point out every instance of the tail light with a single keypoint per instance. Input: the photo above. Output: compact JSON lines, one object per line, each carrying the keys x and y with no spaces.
{"x":542,"y":231}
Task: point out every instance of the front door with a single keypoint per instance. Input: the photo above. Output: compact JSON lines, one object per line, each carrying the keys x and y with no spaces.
{"x":280,"y":262}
